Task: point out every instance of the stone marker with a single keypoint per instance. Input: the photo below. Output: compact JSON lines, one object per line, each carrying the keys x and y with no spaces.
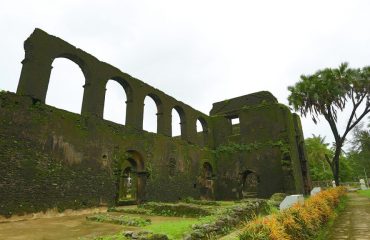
{"x":315,"y":191}
{"x":291,"y":200}
{"x":362,"y":184}
{"x":333,"y":182}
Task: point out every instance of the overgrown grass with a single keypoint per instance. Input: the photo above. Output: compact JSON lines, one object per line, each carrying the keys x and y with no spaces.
{"x":324,"y":233}
{"x":173,"y":229}
{"x":122,"y":220}
{"x":177,"y":210}
{"x":365,"y":193}
{"x":118,"y":236}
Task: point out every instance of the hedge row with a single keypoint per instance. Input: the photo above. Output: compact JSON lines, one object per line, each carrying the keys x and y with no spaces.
{"x":176,"y":210}
{"x":298,"y":222}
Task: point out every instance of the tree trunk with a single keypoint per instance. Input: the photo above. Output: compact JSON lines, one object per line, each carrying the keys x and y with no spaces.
{"x":335,"y":163}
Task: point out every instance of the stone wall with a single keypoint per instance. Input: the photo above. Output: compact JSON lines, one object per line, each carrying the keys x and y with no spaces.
{"x":51,"y":158}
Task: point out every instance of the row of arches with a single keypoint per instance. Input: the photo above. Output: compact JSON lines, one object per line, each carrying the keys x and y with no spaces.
{"x":65,"y":91}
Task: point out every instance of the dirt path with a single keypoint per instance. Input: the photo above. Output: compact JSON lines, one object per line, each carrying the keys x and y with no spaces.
{"x":66,"y":228}
{"x":354,"y":221}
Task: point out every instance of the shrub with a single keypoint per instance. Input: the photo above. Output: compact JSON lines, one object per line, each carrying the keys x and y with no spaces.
{"x":298,"y":222}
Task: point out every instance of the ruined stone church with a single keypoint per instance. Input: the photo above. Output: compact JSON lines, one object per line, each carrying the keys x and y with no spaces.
{"x":52,"y":158}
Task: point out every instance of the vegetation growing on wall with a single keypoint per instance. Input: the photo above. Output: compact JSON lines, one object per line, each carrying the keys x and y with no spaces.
{"x":232,"y":147}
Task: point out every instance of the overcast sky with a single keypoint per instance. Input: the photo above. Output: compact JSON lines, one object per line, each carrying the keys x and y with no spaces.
{"x":199,"y":52}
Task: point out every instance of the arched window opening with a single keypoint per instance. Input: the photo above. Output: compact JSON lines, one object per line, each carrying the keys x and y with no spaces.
{"x":115,"y":102}
{"x":176,"y":123}
{"x":202,"y":131}
{"x":199,"y":126}
{"x":65,"y":90}
{"x":151,"y":108}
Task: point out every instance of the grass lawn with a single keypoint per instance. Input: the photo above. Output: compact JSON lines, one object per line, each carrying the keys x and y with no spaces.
{"x":365,"y":193}
{"x":174,"y":230}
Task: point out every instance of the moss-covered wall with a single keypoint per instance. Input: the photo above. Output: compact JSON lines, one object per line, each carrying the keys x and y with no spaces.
{"x":266,"y":145}
{"x":53,"y":158}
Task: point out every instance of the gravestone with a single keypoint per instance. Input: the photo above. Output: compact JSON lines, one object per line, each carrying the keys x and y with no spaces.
{"x":333,"y":182}
{"x":362,"y":184}
{"x":291,"y":200}
{"x":315,"y":191}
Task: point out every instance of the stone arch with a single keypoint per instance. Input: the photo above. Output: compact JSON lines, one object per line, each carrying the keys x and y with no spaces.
{"x":159,"y":108}
{"x":125,"y":84}
{"x":66,"y":78}
{"x":249,"y":183}
{"x":206,"y":181}
{"x":77,"y":60}
{"x":132,"y":179}
{"x":128,"y":93}
{"x":41,"y":50}
{"x":202,"y":136}
{"x":182,"y":123}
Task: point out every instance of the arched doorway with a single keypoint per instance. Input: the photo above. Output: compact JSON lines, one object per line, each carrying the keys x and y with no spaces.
{"x":206,"y":182}
{"x":131,"y":180}
{"x":128,"y":182}
{"x":249,"y":186}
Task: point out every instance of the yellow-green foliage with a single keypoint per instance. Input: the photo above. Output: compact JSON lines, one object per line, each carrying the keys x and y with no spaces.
{"x":298,"y":222}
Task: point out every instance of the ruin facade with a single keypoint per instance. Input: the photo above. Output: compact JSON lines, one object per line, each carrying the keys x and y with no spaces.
{"x":51,"y":158}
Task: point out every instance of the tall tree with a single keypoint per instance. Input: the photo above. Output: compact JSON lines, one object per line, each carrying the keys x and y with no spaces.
{"x":328,"y":91}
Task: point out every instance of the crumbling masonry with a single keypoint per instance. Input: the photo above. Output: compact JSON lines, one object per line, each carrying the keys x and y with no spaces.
{"x":53,"y":158}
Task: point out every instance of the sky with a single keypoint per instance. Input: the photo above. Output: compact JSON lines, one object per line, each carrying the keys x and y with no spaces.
{"x":199,"y":52}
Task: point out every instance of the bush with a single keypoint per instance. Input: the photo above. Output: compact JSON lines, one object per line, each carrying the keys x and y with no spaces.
{"x":298,"y":222}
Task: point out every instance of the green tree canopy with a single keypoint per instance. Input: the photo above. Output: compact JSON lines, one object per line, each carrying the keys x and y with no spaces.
{"x":328,"y":91}
{"x":360,"y":150}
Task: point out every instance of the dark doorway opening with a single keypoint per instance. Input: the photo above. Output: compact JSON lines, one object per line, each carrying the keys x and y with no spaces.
{"x":249,"y":186}
{"x":206,"y":182}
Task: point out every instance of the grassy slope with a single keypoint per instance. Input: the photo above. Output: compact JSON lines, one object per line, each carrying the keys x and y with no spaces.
{"x":365,"y":193}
